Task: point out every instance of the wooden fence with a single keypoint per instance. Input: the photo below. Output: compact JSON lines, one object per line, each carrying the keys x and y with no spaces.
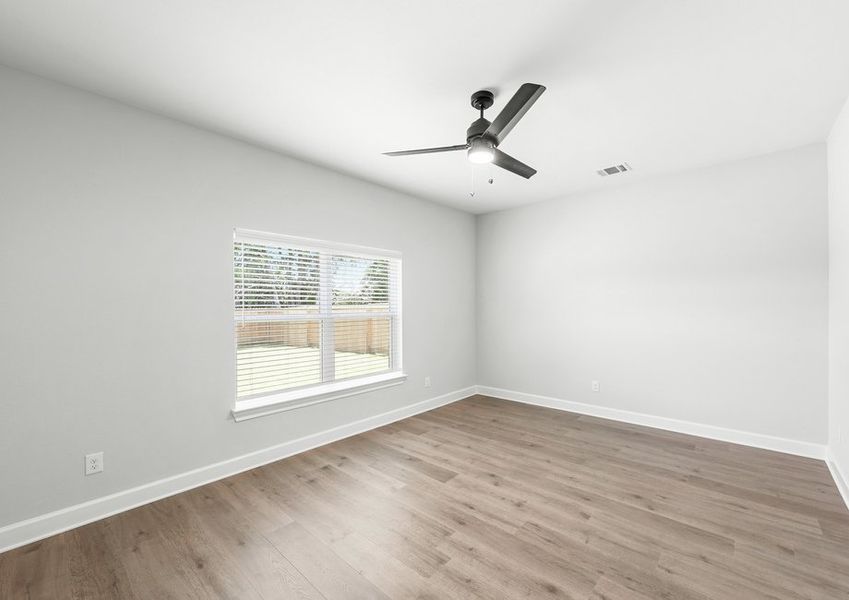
{"x":362,"y":335}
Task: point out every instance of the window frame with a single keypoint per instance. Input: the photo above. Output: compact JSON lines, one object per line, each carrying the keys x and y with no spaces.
{"x":330,"y":388}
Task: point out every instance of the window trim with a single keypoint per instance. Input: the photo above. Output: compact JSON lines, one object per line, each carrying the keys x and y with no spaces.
{"x":301,"y":397}
{"x":257,"y":406}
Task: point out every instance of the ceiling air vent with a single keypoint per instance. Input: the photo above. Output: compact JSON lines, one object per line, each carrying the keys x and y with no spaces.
{"x":620,"y":168}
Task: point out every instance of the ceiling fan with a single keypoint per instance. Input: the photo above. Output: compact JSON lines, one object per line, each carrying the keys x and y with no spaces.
{"x":483,"y":137}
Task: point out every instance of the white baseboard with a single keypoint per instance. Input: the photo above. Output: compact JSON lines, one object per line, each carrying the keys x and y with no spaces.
{"x":840,"y":479}
{"x":40,"y":527}
{"x":746,"y":438}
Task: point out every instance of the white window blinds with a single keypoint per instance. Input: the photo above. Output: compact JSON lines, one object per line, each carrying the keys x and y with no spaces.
{"x":310,"y":313}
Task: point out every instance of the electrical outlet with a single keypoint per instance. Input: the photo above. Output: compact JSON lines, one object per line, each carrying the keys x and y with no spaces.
{"x":596,"y":385}
{"x":93,"y":463}
{"x":427,"y":381}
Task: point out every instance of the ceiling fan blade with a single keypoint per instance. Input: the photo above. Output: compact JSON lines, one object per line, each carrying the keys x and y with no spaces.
{"x":427,"y":150}
{"x":519,"y":104}
{"x":505,"y":161}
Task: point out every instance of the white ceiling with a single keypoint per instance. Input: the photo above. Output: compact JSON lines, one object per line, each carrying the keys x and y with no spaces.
{"x":662,"y":84}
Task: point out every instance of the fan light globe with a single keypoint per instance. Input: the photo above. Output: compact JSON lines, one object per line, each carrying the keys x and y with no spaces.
{"x":481,"y":151}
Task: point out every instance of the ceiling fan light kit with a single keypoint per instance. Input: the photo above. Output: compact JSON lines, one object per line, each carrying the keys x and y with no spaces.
{"x":483,"y":136}
{"x":481,"y":151}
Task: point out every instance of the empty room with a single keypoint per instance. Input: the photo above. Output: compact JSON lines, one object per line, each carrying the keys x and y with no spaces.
{"x":437,"y":300}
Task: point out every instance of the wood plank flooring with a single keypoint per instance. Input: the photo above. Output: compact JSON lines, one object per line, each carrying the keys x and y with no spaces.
{"x":479,"y":499}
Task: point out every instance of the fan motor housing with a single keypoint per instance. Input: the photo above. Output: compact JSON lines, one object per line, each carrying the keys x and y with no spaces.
{"x":476,"y":129}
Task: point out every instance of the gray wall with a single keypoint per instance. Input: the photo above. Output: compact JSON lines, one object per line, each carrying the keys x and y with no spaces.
{"x":116,"y":306}
{"x":699,"y":296}
{"x":838,"y":287}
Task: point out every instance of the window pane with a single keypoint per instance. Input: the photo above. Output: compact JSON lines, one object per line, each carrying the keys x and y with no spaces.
{"x":359,"y":284}
{"x":273,"y":280}
{"x":362,"y":346}
{"x":276,"y":355}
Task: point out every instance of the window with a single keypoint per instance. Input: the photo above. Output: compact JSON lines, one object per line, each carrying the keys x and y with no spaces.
{"x":313,"y":320}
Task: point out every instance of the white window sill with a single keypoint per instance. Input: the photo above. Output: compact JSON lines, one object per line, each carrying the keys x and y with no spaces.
{"x":268,"y":405}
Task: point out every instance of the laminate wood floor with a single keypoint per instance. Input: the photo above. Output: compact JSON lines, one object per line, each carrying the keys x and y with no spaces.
{"x":479,"y":499}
